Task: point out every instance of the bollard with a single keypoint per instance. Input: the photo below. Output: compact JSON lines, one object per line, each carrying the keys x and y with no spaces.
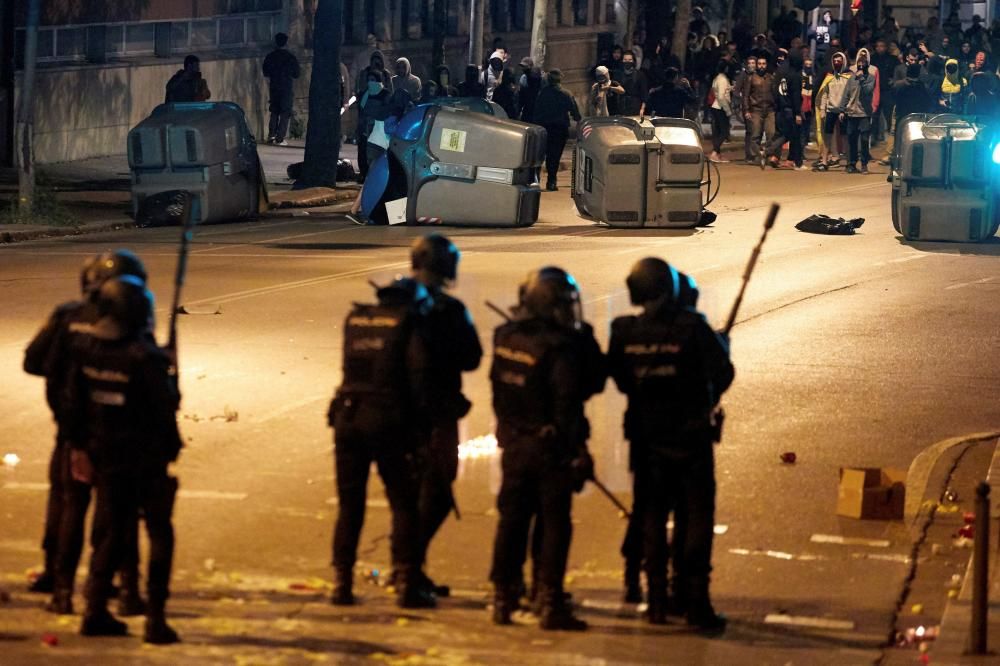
{"x":980,"y":572}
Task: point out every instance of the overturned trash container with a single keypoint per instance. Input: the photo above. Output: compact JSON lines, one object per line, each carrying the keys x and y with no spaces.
{"x":205,"y":148}
{"x":944,"y":179}
{"x":457,"y":167}
{"x":632,"y":172}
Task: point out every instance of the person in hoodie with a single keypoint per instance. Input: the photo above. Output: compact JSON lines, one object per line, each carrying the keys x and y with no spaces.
{"x":600,"y":92}
{"x":911,"y":94}
{"x":788,"y":116}
{"x":553,"y":110}
{"x":376,"y":69}
{"x":529,"y":85}
{"x":859,"y":106}
{"x":442,"y":77}
{"x":981,"y":100}
{"x":953,"y":88}
{"x":472,"y":86}
{"x":406,"y":81}
{"x":505,"y":94}
{"x":187,"y":85}
{"x":830,"y":110}
{"x":493,"y":73}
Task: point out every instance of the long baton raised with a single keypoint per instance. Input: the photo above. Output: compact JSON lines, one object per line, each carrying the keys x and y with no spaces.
{"x":768,"y":225}
{"x":182,"y":260}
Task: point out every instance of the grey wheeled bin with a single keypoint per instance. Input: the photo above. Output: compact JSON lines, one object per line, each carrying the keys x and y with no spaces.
{"x":462,"y":168}
{"x":631,"y":172}
{"x":205,"y":148}
{"x":944,"y":180}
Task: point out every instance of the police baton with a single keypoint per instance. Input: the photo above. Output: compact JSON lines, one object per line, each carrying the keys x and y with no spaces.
{"x":496,"y":308}
{"x":187,"y":231}
{"x":768,"y":225}
{"x":614,"y":500}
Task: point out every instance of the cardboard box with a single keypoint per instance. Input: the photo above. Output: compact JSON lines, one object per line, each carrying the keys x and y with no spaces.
{"x":877,"y":493}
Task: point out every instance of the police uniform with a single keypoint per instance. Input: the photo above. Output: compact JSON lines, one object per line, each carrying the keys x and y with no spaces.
{"x":454,"y":349}
{"x":47,"y":355}
{"x":378,"y":416}
{"x":120,"y":413}
{"x":673,"y":367}
{"x":540,"y":383}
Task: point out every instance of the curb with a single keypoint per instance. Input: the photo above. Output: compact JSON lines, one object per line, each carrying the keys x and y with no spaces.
{"x":923,"y":465}
{"x":952,"y":642}
{"x":11,"y":237}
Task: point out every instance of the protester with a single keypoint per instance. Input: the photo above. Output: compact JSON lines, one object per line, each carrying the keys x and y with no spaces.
{"x":721,"y":110}
{"x":553,"y":110}
{"x":632,"y":101}
{"x":187,"y":85}
{"x":472,"y":86}
{"x":670,"y":99}
{"x":860,"y":105}
{"x":505,"y":94}
{"x":491,"y":75}
{"x":529,"y":85}
{"x":886,"y":65}
{"x":981,"y":100}
{"x":600,"y":91}
{"x":953,"y":88}
{"x":281,"y":69}
{"x":830,"y":99}
{"x":405,"y":80}
{"x":788,"y":113}
{"x":758,"y":109}
{"x":375,"y":71}
{"x":442,"y":78}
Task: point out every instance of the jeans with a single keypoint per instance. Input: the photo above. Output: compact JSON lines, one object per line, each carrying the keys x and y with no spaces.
{"x":555,"y":143}
{"x":761,"y":124}
{"x":278,"y":127}
{"x":720,"y":128}
{"x":859,"y":133}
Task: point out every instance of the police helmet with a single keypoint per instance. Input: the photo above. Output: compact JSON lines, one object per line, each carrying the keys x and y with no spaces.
{"x":552,"y":293}
{"x":126,"y":300}
{"x":108,"y":265}
{"x":652,"y":279}
{"x":435,"y":254}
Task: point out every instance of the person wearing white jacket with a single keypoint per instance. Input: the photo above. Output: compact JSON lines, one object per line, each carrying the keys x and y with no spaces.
{"x":722,"y":108}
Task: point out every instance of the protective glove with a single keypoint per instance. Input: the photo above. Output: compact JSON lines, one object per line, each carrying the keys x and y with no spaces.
{"x":582,"y":470}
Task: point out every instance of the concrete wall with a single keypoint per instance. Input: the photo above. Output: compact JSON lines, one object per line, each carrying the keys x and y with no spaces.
{"x":87,"y":110}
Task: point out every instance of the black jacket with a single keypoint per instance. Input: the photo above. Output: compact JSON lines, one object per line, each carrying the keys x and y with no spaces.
{"x":281,"y":69}
{"x":669,"y":100}
{"x":912,"y":97}
{"x":555,"y":106}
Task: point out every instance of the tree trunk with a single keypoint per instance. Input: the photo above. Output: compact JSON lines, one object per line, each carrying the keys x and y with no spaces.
{"x":682,"y":20}
{"x":539,"y":25}
{"x":439,"y":29}
{"x":24,"y":133}
{"x":476,"y":17}
{"x":323,"y":132}
{"x":729,"y":19}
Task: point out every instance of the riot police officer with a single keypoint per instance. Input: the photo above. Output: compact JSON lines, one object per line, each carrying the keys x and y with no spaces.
{"x":539,"y":384}
{"x":673,"y":367}
{"x":379,"y":415}
{"x":120,"y":421}
{"x":48,"y":355}
{"x":454,"y":349}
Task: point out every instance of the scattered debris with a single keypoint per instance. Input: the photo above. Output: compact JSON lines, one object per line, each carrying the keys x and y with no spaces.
{"x":811,"y":622}
{"x":917,"y":609}
{"x":228,"y":415}
{"x":788,"y":457}
{"x":824,"y":224}
{"x":50,"y":640}
{"x":209,"y":564}
{"x":951,"y":495}
{"x":916,"y":635}
{"x":478,"y":447}
{"x":212,"y":309}
{"x":849,"y":541}
{"x":11,"y":460}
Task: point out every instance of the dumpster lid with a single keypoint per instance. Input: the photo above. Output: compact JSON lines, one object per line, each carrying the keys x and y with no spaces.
{"x":375,"y":184}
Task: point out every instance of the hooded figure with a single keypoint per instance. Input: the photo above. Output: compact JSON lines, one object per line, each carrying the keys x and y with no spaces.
{"x":445,"y":87}
{"x":953,"y":87}
{"x":529,"y":86}
{"x":493,"y":73}
{"x":981,"y":101}
{"x":471,"y":86}
{"x":376,"y":63}
{"x":598,"y":103}
{"x":373,"y":73}
{"x":406,"y":81}
{"x":830,"y":97}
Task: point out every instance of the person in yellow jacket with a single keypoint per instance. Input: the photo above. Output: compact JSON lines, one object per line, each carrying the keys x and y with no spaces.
{"x":953,"y":88}
{"x":830,"y":110}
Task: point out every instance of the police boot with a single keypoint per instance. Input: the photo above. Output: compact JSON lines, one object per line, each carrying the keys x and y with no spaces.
{"x":44,"y":584}
{"x":157,"y":630}
{"x":656,"y":611}
{"x":505,"y":602}
{"x":700,"y":613}
{"x":343,"y":588}
{"x":130,"y":603}
{"x":412,"y":592}
{"x":633,"y":584}
{"x":555,"y":614}
{"x":61,"y":602}
{"x":99,"y":622}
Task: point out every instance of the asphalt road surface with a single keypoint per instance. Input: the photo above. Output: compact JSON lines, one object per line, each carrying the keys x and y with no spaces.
{"x":850,"y":351}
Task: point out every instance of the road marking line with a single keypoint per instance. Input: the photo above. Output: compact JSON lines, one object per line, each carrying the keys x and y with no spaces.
{"x":226,"y":246}
{"x":211,"y":494}
{"x":373,"y":503}
{"x":898,"y":558}
{"x":25,"y":485}
{"x":285,"y":286}
{"x":912,"y":257}
{"x":848,"y":541}
{"x":967,"y":284}
{"x":811,"y":622}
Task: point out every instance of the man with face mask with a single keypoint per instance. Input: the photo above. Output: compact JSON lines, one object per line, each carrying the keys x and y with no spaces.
{"x":406,"y":81}
{"x":632,"y":102}
{"x":981,"y":65}
{"x":758,"y":109}
{"x":375,"y":72}
{"x":600,"y":91}
{"x":860,"y":104}
{"x":529,"y":85}
{"x":831,"y":110}
{"x":953,"y":88}
{"x":443,"y":82}
{"x":492,"y":75}
{"x":789,"y":113}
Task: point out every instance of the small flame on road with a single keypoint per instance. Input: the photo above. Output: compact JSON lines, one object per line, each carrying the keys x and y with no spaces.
{"x":478,"y":447}
{"x":11,"y":460}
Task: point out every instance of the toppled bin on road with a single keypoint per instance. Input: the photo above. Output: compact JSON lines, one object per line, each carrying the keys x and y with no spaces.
{"x":944,"y":179}
{"x":632,"y":172}
{"x":205,"y":148}
{"x":459,"y":168}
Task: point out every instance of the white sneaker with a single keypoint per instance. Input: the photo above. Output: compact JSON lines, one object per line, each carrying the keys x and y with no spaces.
{"x":281,"y":143}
